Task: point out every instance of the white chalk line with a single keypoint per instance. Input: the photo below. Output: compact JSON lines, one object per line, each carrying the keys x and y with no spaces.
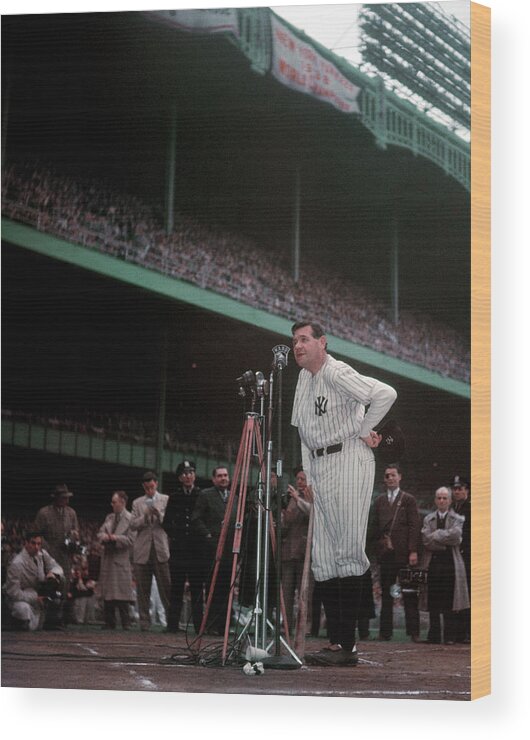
{"x":148,"y":684}
{"x":145,"y":682}
{"x":88,"y":649}
{"x":376,"y":692}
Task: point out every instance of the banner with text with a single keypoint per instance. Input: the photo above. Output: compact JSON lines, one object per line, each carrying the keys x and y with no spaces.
{"x":220,"y":20}
{"x":299,"y":66}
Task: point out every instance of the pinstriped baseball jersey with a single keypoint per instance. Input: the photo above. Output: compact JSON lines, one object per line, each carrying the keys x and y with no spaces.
{"x":329,"y":408}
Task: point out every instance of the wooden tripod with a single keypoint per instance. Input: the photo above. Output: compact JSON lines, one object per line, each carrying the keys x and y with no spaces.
{"x":250,"y":440}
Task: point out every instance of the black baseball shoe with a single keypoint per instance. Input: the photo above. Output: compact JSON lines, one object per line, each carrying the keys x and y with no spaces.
{"x":332,"y":658}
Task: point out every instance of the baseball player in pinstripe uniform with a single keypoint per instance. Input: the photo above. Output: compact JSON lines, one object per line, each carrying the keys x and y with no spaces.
{"x":337,"y":439}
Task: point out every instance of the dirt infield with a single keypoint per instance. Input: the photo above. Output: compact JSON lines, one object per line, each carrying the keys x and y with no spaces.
{"x":134,"y":661}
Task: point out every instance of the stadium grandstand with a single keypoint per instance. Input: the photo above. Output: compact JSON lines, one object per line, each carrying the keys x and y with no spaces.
{"x":174,"y":197}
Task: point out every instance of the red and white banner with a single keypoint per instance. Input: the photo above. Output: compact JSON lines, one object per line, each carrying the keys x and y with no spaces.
{"x":299,"y":66}
{"x":215,"y":20}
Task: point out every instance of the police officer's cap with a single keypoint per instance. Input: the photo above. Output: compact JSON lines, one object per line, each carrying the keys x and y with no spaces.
{"x":458,"y":480}
{"x":186,"y":466}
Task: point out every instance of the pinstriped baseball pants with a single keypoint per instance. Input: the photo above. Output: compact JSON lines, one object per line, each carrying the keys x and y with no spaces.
{"x":343,"y":485}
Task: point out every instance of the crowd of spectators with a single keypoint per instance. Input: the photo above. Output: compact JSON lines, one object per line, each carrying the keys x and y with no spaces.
{"x":196,"y":440}
{"x":87,"y":212}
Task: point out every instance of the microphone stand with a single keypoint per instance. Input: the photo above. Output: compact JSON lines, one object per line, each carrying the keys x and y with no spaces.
{"x":250,"y":446}
{"x":278,"y":660}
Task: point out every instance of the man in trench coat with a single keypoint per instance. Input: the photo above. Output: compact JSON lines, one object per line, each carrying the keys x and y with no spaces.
{"x":115,"y":577}
{"x":447,"y":591}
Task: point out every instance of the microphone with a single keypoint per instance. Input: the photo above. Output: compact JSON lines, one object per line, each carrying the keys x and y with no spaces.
{"x":262,"y":384}
{"x":280,"y":353}
{"x":246,"y":379}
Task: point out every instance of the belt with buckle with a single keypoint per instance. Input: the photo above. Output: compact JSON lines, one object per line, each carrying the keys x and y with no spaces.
{"x":326,"y":450}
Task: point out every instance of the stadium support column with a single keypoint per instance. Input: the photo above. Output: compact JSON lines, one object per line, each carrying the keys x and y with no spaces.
{"x":162,"y":404}
{"x":296,"y":228}
{"x":171,"y":170}
{"x":394,"y":268}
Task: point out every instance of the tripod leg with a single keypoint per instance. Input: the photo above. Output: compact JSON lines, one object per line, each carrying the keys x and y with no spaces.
{"x":239,"y":526}
{"x":224,"y":531}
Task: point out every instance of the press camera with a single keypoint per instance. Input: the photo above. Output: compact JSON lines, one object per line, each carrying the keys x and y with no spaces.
{"x":49,"y":589}
{"x":410,"y":581}
{"x":74,"y":547}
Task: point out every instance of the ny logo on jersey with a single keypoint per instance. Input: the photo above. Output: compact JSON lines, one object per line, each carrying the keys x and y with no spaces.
{"x":321,"y":405}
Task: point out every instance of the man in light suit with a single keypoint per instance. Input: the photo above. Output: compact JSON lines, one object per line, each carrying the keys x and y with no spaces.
{"x":115,"y":578}
{"x":151,"y":547}
{"x":27,"y":575}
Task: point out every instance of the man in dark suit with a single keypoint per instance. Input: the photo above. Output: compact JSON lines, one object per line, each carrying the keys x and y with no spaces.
{"x":461,"y":503}
{"x":185,"y":555}
{"x":396,"y":514}
{"x":207,"y":520}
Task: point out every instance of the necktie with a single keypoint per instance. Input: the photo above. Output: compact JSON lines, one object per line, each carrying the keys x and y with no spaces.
{"x":40,"y":571}
{"x":115,"y":524}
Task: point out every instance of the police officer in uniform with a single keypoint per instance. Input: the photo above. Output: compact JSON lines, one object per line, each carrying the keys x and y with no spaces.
{"x":185,"y":558}
{"x":461,"y":503}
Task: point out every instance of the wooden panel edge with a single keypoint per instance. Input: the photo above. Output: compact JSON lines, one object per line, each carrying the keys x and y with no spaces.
{"x":481,"y":350}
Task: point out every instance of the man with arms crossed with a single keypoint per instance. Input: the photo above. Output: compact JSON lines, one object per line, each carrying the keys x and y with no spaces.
{"x":337,"y":438}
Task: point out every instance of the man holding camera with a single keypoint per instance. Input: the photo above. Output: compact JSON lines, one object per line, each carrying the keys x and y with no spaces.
{"x":59,"y":527}
{"x":397,"y":523}
{"x":33,"y":586}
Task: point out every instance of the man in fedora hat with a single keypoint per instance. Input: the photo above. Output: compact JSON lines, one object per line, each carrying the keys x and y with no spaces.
{"x":58,"y":523}
{"x":185,"y":551}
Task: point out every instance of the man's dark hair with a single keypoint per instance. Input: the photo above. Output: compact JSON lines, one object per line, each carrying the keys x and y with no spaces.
{"x":316,"y":329}
{"x":31,"y":534}
{"x":122,"y":495}
{"x":150,"y":475}
{"x":394,"y":465}
{"x":219,"y":467}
